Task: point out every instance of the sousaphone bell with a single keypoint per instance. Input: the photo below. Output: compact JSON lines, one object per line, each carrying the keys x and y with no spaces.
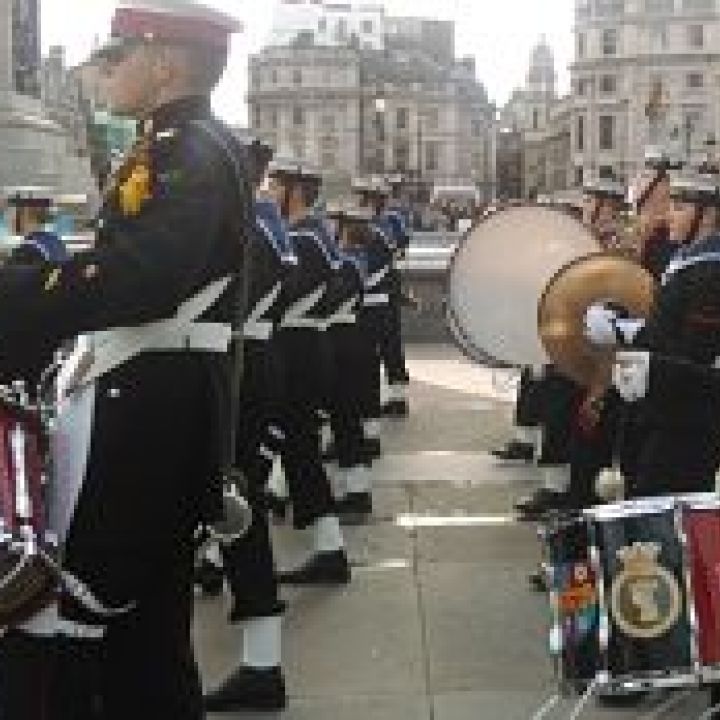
{"x":595,"y":278}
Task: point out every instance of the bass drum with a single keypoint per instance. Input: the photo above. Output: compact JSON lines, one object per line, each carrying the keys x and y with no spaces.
{"x":498,"y":273}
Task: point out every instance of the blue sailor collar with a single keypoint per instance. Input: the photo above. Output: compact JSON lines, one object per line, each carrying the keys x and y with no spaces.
{"x":382,"y":225}
{"x":707,"y":250}
{"x":274,"y":230}
{"x":313,"y":226}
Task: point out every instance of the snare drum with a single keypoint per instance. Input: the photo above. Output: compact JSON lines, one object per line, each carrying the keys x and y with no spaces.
{"x":701,"y":523}
{"x":574,"y":637}
{"x":646,"y":638}
{"x":27,"y":549}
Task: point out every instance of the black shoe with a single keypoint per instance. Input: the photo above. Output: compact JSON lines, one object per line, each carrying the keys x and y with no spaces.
{"x":355,"y":508}
{"x":538,"y":581}
{"x":542,"y":502}
{"x":277,"y":506}
{"x":249,"y":690}
{"x":372,"y":448}
{"x":396,"y":409}
{"x":515,"y":452}
{"x":330,"y":454}
{"x":209,"y":578}
{"x":621,"y":699}
{"x":715,"y":700}
{"x":330,"y":568}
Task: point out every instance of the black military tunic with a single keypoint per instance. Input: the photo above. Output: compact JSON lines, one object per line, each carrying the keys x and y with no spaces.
{"x":248,"y":561}
{"x":346,"y":357}
{"x":299,"y":342}
{"x":676,"y":454}
{"x":173,"y":226}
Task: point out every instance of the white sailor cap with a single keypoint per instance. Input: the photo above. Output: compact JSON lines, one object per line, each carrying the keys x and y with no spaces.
{"x":371,"y":186}
{"x":76,"y":200}
{"x":294,"y":168}
{"x":395,"y":180}
{"x":605,"y":188}
{"x":348,"y":213}
{"x":27,"y":196}
{"x":696,"y":188}
{"x":657,"y":158}
{"x":250,"y":140}
{"x":171,"y":21}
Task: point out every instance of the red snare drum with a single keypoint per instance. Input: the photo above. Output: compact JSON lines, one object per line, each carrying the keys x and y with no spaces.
{"x":701,"y":523}
{"x":27,"y":549}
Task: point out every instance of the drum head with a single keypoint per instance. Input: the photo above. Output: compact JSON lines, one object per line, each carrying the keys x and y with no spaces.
{"x":499,"y":272}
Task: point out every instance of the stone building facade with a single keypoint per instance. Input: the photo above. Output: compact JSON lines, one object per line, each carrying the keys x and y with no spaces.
{"x":36,"y":147}
{"x":540,"y":121}
{"x":645,"y":72}
{"x":396,"y":101}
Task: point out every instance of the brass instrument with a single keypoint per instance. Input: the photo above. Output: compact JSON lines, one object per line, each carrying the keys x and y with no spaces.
{"x":598,"y":278}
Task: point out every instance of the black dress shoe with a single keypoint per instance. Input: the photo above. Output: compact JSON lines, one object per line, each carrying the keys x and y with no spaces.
{"x":354,"y":508}
{"x":621,"y":699}
{"x":330,"y":453}
{"x":396,"y":409}
{"x":538,"y":581}
{"x":715,"y":700}
{"x":372,"y":448}
{"x":277,"y":506}
{"x":542,"y":502}
{"x":209,"y":578}
{"x":330,"y":568}
{"x":249,"y":690}
{"x":515,"y":452}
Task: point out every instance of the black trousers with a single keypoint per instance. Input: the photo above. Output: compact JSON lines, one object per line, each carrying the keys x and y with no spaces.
{"x":391,"y":347}
{"x":675,"y":462}
{"x":250,"y":570}
{"x":308,"y":484}
{"x":153,"y":454}
{"x":549,"y":402}
{"x":369,"y":363}
{"x":344,"y":345}
{"x":144,"y":667}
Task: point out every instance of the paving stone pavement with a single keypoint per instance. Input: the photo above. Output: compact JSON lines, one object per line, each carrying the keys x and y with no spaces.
{"x":438,"y":623}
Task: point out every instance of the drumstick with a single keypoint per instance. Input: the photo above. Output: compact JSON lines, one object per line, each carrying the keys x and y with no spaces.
{"x":23,"y":501}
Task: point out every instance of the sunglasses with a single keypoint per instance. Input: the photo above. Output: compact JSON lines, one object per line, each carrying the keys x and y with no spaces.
{"x":116,"y":52}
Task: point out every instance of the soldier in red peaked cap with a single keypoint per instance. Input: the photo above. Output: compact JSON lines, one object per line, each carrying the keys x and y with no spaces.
{"x":139,"y":434}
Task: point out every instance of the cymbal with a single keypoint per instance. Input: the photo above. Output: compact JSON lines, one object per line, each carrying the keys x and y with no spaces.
{"x":596,"y":278}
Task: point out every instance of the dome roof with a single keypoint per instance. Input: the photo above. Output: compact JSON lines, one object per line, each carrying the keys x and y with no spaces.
{"x":542,"y":55}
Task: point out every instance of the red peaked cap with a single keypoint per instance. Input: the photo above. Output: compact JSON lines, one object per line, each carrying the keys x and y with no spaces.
{"x":135,"y":22}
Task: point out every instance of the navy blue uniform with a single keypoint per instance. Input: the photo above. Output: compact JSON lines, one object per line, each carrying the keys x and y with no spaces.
{"x":248,"y":562}
{"x":674,"y":454}
{"x":379,"y":287}
{"x":346,"y":349}
{"x":392,"y":349}
{"x":299,"y":339}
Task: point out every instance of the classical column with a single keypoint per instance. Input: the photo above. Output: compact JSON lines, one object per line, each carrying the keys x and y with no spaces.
{"x":6,"y":46}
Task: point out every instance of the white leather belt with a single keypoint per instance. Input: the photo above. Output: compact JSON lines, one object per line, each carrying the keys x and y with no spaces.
{"x":344,"y":319}
{"x":200,"y":337}
{"x":255,"y":327}
{"x":375,"y":279}
{"x":296,"y":316}
{"x":262,"y":332}
{"x":345,"y":314}
{"x":374,"y":299}
{"x":304,"y":323}
{"x":109,"y":349}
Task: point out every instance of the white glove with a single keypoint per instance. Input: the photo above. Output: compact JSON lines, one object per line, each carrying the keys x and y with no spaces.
{"x":631,"y":374}
{"x":600,"y":325}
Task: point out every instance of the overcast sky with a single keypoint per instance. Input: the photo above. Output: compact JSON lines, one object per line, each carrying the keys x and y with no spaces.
{"x":499,"y":34}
